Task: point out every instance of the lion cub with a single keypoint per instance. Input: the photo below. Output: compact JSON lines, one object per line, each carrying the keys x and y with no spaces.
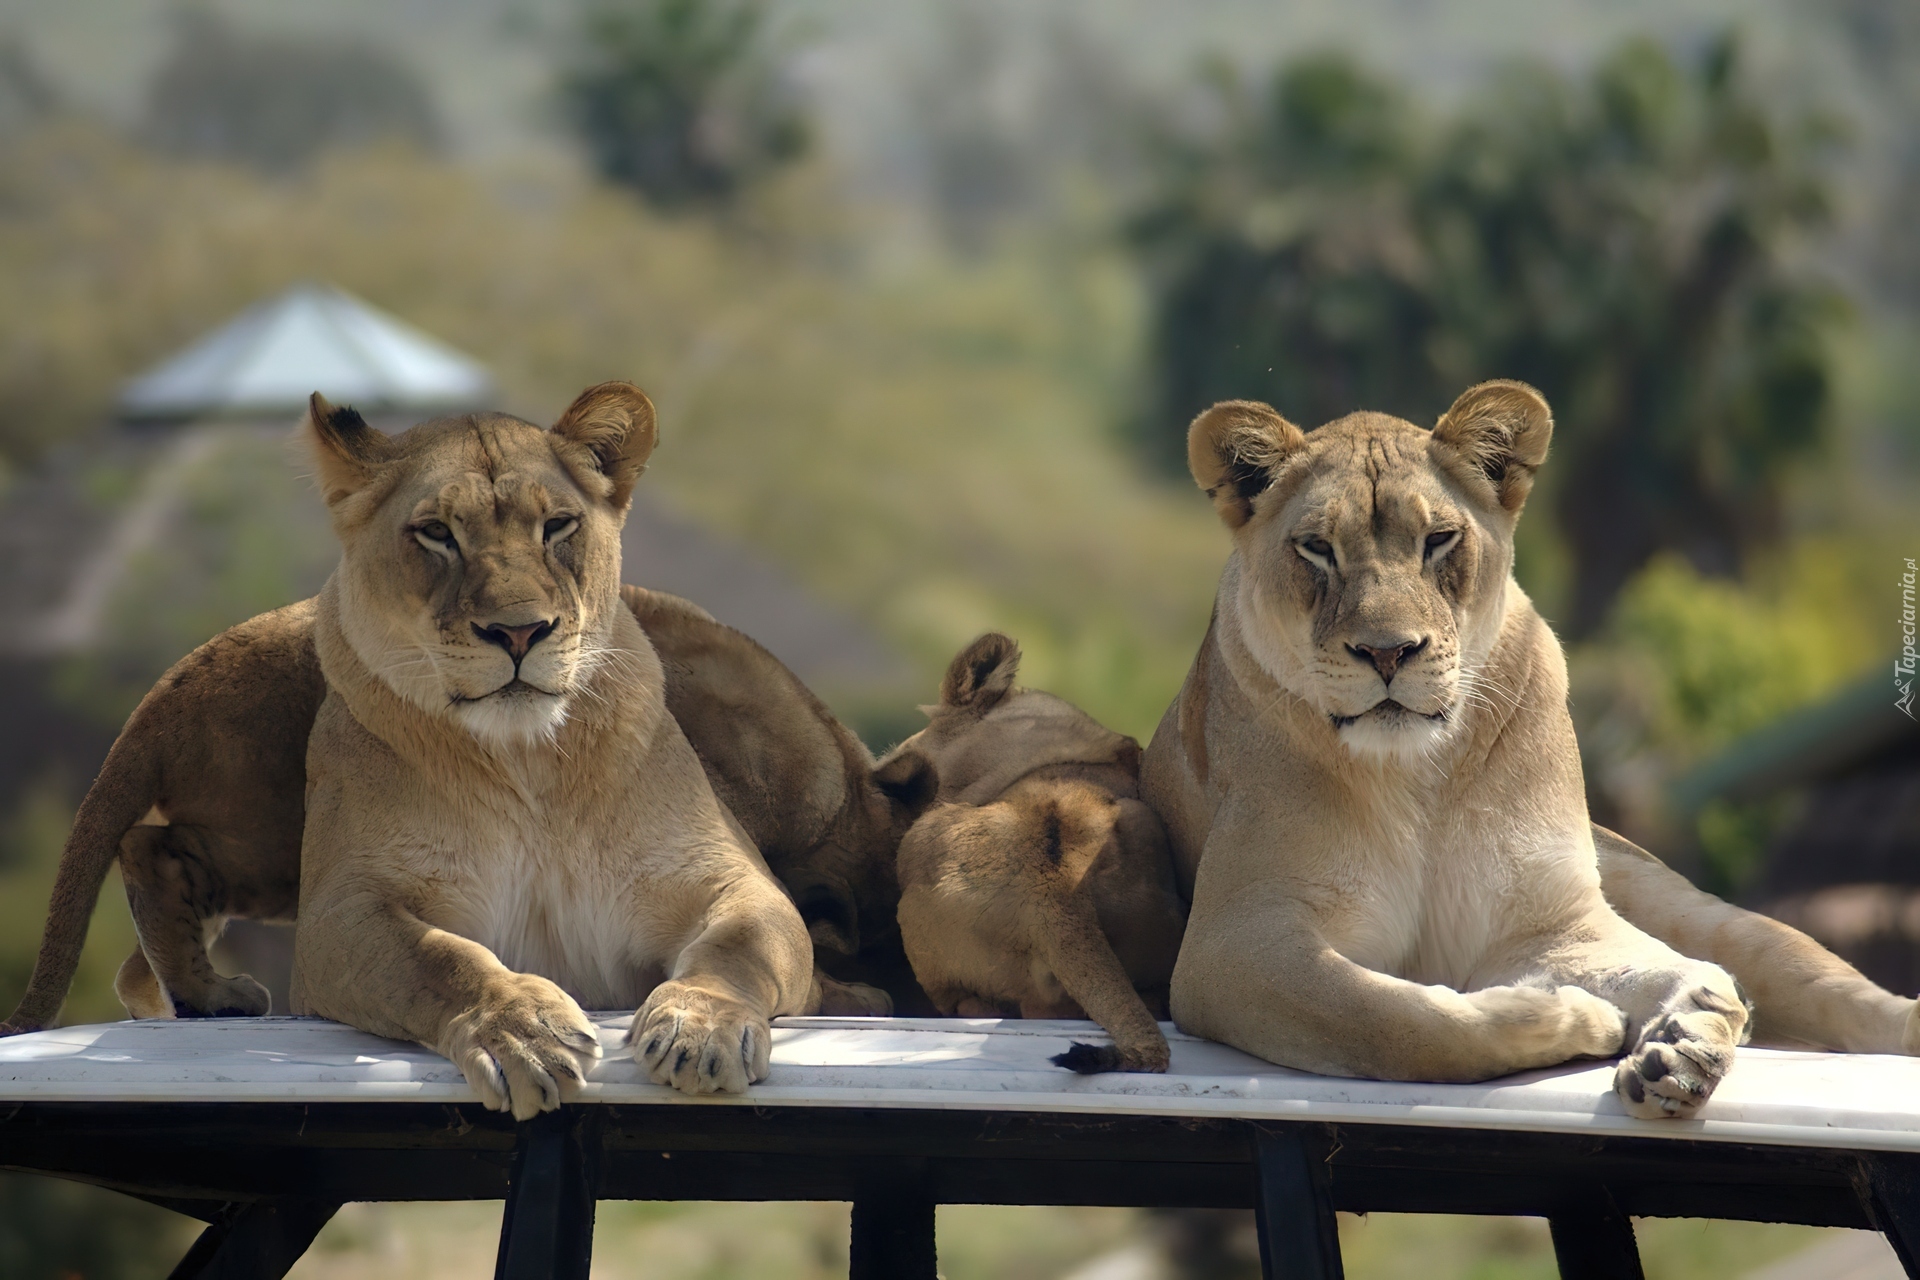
{"x":1041,"y":882}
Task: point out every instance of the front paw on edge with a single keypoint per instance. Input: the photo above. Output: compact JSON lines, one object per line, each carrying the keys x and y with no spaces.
{"x":700,"y":1042}
{"x":1679,"y":1061}
{"x":525,"y":1051}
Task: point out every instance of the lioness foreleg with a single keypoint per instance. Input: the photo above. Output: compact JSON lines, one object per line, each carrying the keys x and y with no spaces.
{"x":706,"y":1028}
{"x":363,"y":959}
{"x":1803,"y":995}
{"x":1684,"y":1017}
{"x":1261,"y":977}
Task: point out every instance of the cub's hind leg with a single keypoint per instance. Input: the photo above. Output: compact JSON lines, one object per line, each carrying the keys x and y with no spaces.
{"x":179,"y":894}
{"x":139,"y":989}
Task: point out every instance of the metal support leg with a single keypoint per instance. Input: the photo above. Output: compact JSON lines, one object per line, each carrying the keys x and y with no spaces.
{"x":547,"y":1231}
{"x":892,"y":1227}
{"x":1889,"y":1188}
{"x":1299,"y":1236}
{"x":1595,"y":1242}
{"x":257,"y":1241}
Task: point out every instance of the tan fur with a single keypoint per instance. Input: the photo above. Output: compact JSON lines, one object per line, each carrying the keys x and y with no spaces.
{"x":800,"y":783}
{"x":1803,"y":995}
{"x":503,"y":822}
{"x":217,"y":752}
{"x":1041,"y":883}
{"x":1384,"y":827}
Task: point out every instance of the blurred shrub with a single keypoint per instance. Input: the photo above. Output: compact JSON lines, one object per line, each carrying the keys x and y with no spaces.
{"x":1687,"y":664}
{"x":1727,"y":659}
{"x":681,"y":100}
{"x":276,"y":102}
{"x":1628,"y":241}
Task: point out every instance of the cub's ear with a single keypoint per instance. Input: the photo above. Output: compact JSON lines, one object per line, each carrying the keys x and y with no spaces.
{"x":1234,"y":450}
{"x":980,"y":674}
{"x":606,"y":436}
{"x":910,"y":782}
{"x":346,"y":451}
{"x":1497,"y":432}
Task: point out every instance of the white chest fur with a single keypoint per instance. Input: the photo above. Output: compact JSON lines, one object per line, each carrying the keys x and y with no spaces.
{"x":549,"y":897}
{"x":1417,"y":897}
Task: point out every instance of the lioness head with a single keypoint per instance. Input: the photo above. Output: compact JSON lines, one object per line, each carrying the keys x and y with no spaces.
{"x":1374,"y":555}
{"x":481,"y":571}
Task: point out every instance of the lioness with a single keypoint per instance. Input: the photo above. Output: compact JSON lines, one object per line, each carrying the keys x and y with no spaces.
{"x":1374,"y":796}
{"x":217,"y":750}
{"x":503,"y":821}
{"x":1041,"y":882}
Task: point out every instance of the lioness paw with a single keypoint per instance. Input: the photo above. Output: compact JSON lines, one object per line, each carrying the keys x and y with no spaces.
{"x":1594,"y":1027}
{"x":524,"y":1050}
{"x":700,"y":1042}
{"x":1683,"y":1054}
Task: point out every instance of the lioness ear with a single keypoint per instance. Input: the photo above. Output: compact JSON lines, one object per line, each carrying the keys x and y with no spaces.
{"x":910,"y":781}
{"x":980,"y":674}
{"x":1234,"y":450}
{"x":346,"y":451}
{"x":608,"y":433}
{"x":1498,"y":431}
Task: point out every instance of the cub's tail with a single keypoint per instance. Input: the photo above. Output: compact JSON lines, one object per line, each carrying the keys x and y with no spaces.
{"x":1087,"y":967}
{"x":119,"y":797}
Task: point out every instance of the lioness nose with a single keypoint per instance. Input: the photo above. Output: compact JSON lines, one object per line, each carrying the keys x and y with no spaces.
{"x":517,"y":641}
{"x":1387,"y":660}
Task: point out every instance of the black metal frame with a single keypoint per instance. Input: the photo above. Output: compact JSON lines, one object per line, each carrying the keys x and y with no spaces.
{"x":266,"y":1176}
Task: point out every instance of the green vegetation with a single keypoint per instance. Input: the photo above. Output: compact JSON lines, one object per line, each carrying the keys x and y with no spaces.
{"x":679,"y":99}
{"x":1627,"y":241}
{"x":1687,"y":664}
{"x":275,"y":103}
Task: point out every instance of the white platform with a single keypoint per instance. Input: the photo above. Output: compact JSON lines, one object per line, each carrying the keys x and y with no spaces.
{"x":1794,"y":1099}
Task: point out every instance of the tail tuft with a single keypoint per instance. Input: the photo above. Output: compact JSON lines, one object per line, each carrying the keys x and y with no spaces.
{"x":1089,"y":1059}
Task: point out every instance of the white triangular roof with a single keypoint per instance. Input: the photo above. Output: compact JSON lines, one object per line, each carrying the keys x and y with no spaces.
{"x":268,"y":360}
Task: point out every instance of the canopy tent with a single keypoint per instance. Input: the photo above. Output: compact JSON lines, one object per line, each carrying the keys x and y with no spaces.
{"x":269,"y":359}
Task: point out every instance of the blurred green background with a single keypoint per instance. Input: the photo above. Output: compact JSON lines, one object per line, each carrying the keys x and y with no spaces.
{"x":926,"y":292}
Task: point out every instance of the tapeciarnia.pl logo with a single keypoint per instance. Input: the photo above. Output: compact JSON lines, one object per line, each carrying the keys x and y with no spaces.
{"x":1903,"y":665}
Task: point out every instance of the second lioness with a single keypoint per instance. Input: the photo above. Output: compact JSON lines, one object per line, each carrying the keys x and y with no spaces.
{"x":1374,"y":795}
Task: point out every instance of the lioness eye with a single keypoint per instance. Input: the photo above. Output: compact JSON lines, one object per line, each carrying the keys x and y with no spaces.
{"x":1317,"y":552}
{"x":1440,"y":540}
{"x":560,"y":526}
{"x":436,"y":537}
